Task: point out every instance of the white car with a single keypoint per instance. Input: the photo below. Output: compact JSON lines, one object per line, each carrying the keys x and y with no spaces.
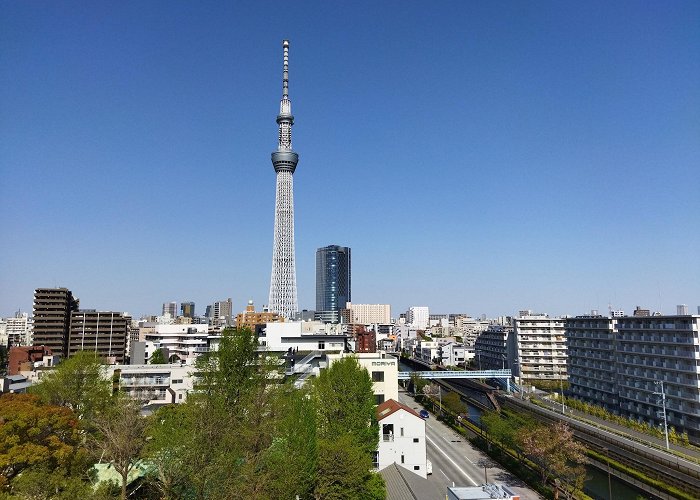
{"x":428,"y":467}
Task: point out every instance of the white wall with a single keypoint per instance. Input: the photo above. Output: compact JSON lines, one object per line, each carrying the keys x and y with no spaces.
{"x":391,"y":450}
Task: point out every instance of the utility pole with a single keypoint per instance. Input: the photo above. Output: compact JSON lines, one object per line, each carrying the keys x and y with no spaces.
{"x":607,"y":459}
{"x":663,"y":407}
{"x":561,"y":388}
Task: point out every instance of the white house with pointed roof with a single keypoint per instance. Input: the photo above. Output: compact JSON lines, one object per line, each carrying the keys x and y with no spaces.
{"x":401,"y":438}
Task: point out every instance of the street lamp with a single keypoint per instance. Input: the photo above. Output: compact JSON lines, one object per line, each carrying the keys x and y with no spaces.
{"x":663,"y":406}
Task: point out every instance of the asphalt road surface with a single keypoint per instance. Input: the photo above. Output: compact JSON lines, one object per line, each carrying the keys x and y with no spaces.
{"x":457,"y":463}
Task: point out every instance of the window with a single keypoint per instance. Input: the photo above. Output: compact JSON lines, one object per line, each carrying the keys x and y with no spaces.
{"x":378,"y":399}
{"x":321,"y":345}
{"x":403,"y":459}
{"x":415,"y":440}
{"x":416,"y":467}
{"x":401,"y":431}
{"x":377,"y":376}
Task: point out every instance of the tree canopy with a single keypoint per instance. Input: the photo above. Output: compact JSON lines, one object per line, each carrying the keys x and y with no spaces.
{"x":78,"y":383}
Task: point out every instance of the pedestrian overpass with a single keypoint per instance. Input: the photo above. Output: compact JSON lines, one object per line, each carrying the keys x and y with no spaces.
{"x":447,"y":374}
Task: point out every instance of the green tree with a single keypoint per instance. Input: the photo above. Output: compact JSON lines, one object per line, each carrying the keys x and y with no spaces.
{"x":348,"y":432}
{"x":554,"y":450}
{"x":169,"y":432}
{"x":418,"y":383}
{"x":120,"y":436}
{"x":78,"y":383}
{"x":453,"y":402}
{"x":158,"y":358}
{"x":345,"y":404}
{"x":38,"y":436}
{"x":344,"y":472}
{"x":3,"y":360}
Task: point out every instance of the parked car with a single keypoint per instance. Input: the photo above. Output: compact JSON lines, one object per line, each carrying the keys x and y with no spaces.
{"x":424,"y":414}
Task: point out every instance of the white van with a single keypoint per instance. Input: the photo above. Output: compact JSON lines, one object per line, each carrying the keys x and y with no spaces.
{"x":428,"y":467}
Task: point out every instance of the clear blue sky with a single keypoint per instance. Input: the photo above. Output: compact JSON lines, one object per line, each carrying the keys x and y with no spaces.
{"x":476,"y":156}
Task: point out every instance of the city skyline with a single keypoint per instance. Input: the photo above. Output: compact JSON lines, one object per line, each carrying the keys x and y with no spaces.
{"x":478,"y":158}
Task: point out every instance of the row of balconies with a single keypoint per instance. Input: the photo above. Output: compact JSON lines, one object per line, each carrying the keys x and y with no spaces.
{"x":655,"y":363}
{"x":683,"y":353}
{"x":657,"y":340}
{"x":693,"y":385}
{"x":669,"y":325}
{"x":137,"y":381}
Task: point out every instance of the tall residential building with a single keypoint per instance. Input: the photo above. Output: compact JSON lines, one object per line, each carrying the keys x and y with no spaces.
{"x":52,"y":310}
{"x":333,"y":283}
{"x":418,"y":316}
{"x":170,"y":308}
{"x":102,"y":332}
{"x":620,"y":363}
{"x":222,"y":312}
{"x":187,"y":309}
{"x":283,"y":281}
{"x":491,"y":347}
{"x":367,"y":314}
{"x":538,"y":347}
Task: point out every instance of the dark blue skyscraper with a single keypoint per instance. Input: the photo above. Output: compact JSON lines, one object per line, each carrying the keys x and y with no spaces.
{"x":332,"y":278}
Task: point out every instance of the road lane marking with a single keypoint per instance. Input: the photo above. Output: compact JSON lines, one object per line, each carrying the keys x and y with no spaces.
{"x":452,"y":461}
{"x":444,"y":474}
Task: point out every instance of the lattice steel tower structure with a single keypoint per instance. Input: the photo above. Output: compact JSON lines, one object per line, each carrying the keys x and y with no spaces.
{"x":283,"y":283}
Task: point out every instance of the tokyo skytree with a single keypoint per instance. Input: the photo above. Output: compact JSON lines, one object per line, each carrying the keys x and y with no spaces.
{"x":283,"y":283}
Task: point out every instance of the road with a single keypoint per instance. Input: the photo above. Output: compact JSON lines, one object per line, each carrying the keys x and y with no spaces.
{"x":457,"y":463}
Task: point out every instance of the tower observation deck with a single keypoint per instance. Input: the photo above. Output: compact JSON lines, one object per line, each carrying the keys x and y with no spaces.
{"x":283,"y":282}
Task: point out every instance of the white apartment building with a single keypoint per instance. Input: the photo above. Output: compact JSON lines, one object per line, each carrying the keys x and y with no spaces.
{"x":418,"y":316}
{"x":303,"y":336}
{"x":18,"y":330}
{"x":453,"y":354}
{"x":620,"y":363}
{"x":538,"y":347}
{"x":154,"y":384}
{"x":401,"y":438}
{"x":367,"y":314}
{"x":428,"y":351}
{"x":183,"y":342}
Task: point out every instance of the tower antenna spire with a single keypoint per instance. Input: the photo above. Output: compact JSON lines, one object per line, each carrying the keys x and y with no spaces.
{"x":285,"y":69}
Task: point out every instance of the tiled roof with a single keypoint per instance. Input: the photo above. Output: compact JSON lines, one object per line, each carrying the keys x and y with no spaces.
{"x":402,"y":484}
{"x":390,"y":406}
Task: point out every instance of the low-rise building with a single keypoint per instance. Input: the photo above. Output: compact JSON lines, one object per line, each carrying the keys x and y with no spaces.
{"x":401,"y":438}
{"x":452,"y":354}
{"x":26,"y":358}
{"x":251,"y":319}
{"x":182,"y":342}
{"x":302,"y":336}
{"x":154,"y":384}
